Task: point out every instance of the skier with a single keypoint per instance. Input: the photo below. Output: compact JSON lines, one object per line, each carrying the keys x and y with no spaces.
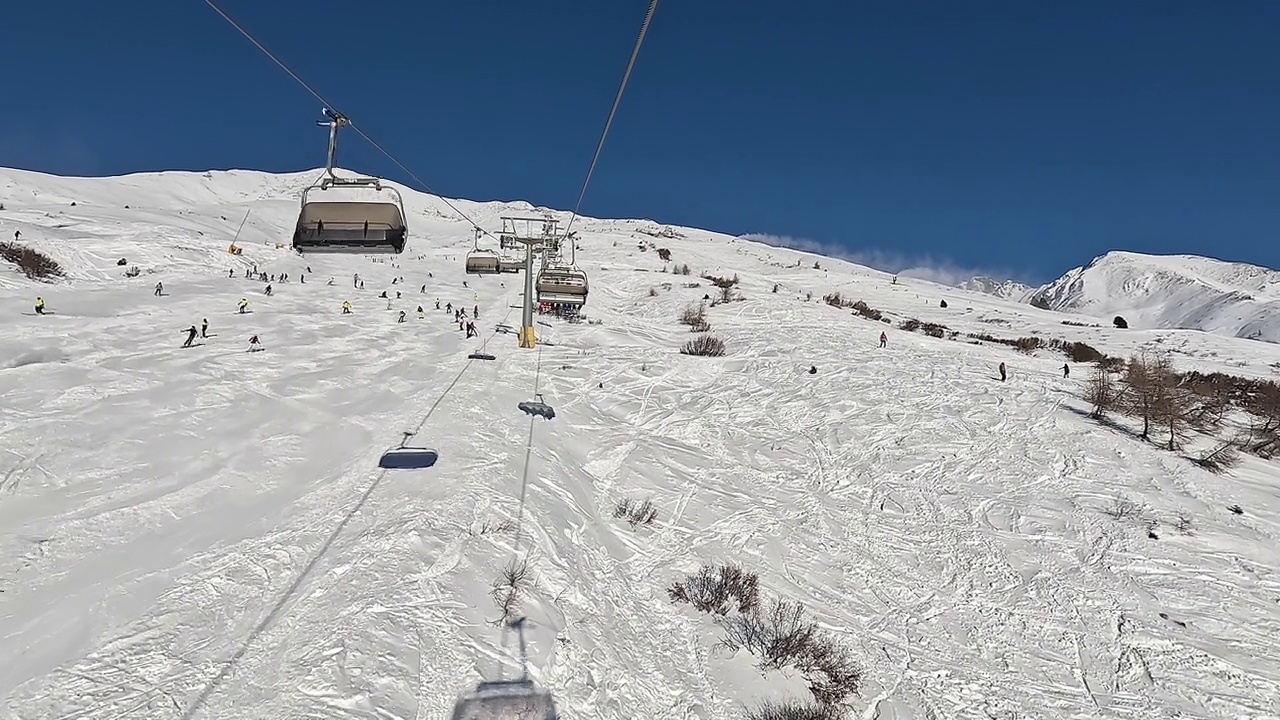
{"x":244,"y":305}
{"x":204,"y":328}
{"x":401,"y":318}
{"x":255,"y":344}
{"x":448,"y":307}
{"x":884,"y":339}
{"x":159,"y":289}
{"x":464,"y":283}
{"x":330,"y":282}
{"x":424,"y":289}
{"x":397,"y":294}
{"x":1066,"y":370}
{"x":267,"y":291}
{"x":302,"y":279}
{"x":355,"y":280}
{"x":475,"y":312}
{"x":231,"y":273}
{"x":383,"y":295}
{"x":191,"y":336}
{"x":471,"y":330}
{"x":39,"y":306}
{"x":346,"y":308}
{"x":437,"y":304}
{"x":1003,"y":373}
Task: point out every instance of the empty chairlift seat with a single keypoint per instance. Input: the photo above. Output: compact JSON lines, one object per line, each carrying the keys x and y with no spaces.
{"x":482,"y":262}
{"x":537,"y":407}
{"x":408,"y":458}
{"x":506,"y":700}
{"x":350,"y":227}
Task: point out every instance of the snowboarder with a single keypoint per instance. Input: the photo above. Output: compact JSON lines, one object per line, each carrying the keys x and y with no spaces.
{"x":813,"y":369}
{"x":383,"y":295}
{"x":204,"y":328}
{"x":302,"y":279}
{"x":424,"y":289}
{"x":448,"y":307}
{"x":1003,"y":373}
{"x":191,"y":336}
{"x":401,"y":318}
{"x":330,"y":282}
{"x":346,"y":308}
{"x":464,"y":283}
{"x":437,"y":304}
{"x":159,"y":289}
{"x":397,"y":294}
{"x":421,"y":314}
{"x":267,"y":291}
{"x":255,"y":344}
{"x":244,"y":305}
{"x":1066,"y":370}
{"x":39,"y":306}
{"x":884,"y":339}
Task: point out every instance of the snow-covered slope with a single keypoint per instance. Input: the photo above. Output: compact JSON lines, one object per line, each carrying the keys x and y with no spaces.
{"x":1007,"y":289}
{"x":1173,"y":291}
{"x":204,"y":533}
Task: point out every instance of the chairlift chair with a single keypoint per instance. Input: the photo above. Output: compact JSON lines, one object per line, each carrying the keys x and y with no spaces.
{"x":481,"y":262}
{"x":329,"y":224}
{"x":405,"y":457}
{"x":537,"y":407}
{"x":562,"y":285}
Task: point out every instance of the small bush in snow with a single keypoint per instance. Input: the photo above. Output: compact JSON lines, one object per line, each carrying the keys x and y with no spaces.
{"x":1120,"y":322}
{"x":1222,"y":457}
{"x":705,"y":346}
{"x":1028,"y":345}
{"x":33,"y":263}
{"x":637,"y":513}
{"x":1124,"y":509}
{"x":793,"y":711}
{"x":682,"y":269}
{"x":664,"y":254}
{"x":508,"y":589}
{"x":694,"y":316}
{"x":784,"y":637}
{"x":719,"y":590}
{"x":653,"y":292}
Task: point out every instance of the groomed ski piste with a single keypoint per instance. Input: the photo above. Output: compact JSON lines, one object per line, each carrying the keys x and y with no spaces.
{"x":205,"y":533}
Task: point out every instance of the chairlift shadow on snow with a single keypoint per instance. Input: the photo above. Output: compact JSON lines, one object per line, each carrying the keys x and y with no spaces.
{"x":406,"y":457}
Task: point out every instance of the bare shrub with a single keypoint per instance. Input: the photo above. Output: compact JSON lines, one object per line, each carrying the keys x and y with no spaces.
{"x":910,"y":325}
{"x":664,"y":254}
{"x":726,"y":293}
{"x":720,"y":282}
{"x":1124,"y":509}
{"x":867,"y":311}
{"x":653,"y":292}
{"x":719,"y":590}
{"x":793,"y":710}
{"x":636,"y":513}
{"x":705,"y":346}
{"x":1028,"y":345}
{"x":784,"y":637}
{"x":779,"y":637}
{"x":1184,"y":524}
{"x":509,"y":588}
{"x":700,"y":327}
{"x":693,"y":315}
{"x":491,"y":527}
{"x":33,"y":263}
{"x":682,"y":269}
{"x":831,"y":670}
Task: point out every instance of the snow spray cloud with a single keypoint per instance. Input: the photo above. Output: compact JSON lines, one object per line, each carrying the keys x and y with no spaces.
{"x":922,"y":267}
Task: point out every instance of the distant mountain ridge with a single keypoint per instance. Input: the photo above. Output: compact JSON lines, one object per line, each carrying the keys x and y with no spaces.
{"x":1172,"y":291}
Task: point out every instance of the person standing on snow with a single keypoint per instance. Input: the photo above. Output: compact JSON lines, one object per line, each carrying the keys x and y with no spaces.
{"x":475,"y":312}
{"x":254,"y":344}
{"x":39,"y":305}
{"x":244,"y":305}
{"x":191,"y":336}
{"x":421,"y":315}
{"x":159,"y":289}
{"x":1003,"y":373}
{"x":204,"y":328}
{"x":346,"y":308}
{"x":401,"y":318}
{"x":1066,"y":370}
{"x":884,"y":339}
{"x":471,"y":330}
{"x":267,"y":291}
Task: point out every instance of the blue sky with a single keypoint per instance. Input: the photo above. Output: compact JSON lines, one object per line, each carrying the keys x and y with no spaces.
{"x":1013,"y":136}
